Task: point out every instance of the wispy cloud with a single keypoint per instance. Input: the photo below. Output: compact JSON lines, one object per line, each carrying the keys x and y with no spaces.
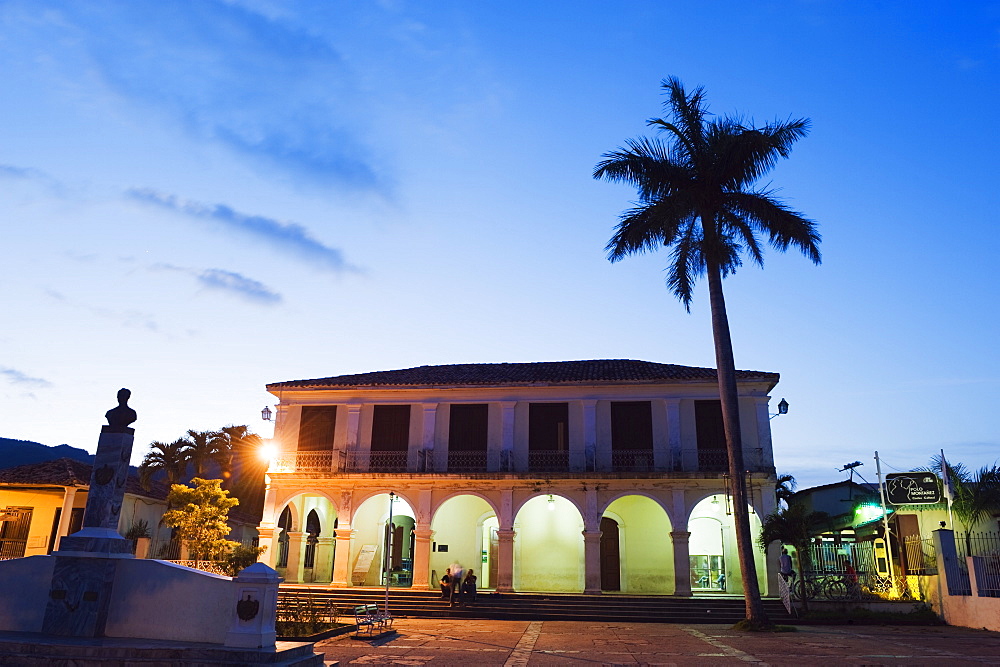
{"x":268,"y":89}
{"x":228,"y":282}
{"x":287,"y":236}
{"x":10,"y":171}
{"x":14,"y":376}
{"x":130,"y":319}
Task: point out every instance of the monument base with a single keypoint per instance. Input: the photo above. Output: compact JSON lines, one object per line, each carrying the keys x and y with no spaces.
{"x":30,"y":649}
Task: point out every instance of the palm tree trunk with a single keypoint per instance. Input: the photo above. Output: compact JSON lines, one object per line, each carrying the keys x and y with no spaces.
{"x":729,"y":397}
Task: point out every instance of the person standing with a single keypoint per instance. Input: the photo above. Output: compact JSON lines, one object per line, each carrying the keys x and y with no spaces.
{"x":457,"y":573}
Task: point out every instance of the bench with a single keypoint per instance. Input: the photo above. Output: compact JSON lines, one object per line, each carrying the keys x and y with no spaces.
{"x":384,"y":617}
{"x":364,"y":621}
{"x":368,"y":618}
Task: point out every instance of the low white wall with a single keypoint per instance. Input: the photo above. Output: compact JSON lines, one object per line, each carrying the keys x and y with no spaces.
{"x":971,"y":611}
{"x":24,"y":592}
{"x":155,"y":599}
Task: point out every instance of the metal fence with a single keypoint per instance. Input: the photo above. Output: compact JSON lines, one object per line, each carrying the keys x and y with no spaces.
{"x":632,"y":460}
{"x":921,"y":557}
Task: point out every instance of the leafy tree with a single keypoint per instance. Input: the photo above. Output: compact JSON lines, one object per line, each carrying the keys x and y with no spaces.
{"x":975,"y":495}
{"x":784,"y":488}
{"x":696,"y":197}
{"x":793,"y":525}
{"x":203,"y":448}
{"x":169,"y":458}
{"x":200,"y":517}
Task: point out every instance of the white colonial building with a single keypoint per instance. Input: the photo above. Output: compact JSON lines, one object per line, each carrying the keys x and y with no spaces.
{"x":572,"y":476}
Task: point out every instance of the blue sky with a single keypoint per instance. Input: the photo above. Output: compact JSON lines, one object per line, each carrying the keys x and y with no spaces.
{"x":198,"y":198}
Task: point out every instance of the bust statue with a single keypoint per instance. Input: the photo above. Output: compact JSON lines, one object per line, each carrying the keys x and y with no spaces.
{"x":119,"y":418}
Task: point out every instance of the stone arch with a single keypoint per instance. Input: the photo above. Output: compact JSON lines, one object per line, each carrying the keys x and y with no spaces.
{"x":300,"y":555}
{"x":549,"y":545}
{"x":667,"y":509}
{"x":461,"y":524}
{"x":717,"y":507}
{"x":369,"y":524}
{"x":645,"y":549}
{"x":577,"y":504}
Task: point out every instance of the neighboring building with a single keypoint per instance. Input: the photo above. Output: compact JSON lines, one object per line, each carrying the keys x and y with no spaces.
{"x":42,"y":502}
{"x":557,"y":476}
{"x":856,"y":529}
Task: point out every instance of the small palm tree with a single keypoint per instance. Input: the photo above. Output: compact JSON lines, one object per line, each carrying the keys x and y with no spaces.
{"x":697,"y":198}
{"x":796,"y":526}
{"x":784,"y":488}
{"x":169,"y":458}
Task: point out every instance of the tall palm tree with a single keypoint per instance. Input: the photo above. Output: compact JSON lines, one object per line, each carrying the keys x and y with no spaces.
{"x":245,"y":463}
{"x":170,"y":458}
{"x":204,"y":448}
{"x":696,"y":197}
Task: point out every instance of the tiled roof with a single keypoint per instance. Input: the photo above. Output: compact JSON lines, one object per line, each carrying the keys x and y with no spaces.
{"x":597,"y":371}
{"x":69,"y":472}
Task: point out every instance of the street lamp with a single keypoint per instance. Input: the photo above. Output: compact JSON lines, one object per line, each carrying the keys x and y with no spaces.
{"x":782,"y":409}
{"x":266,"y":413}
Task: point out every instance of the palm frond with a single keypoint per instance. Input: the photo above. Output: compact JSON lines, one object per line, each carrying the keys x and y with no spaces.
{"x":783,"y":226}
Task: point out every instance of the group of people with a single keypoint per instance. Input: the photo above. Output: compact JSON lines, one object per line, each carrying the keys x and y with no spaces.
{"x":458,"y":586}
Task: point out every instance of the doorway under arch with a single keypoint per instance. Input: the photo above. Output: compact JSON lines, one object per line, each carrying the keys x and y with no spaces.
{"x":640,"y":538}
{"x":548,"y":546}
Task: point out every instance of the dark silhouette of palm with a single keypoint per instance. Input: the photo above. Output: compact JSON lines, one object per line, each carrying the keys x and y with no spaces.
{"x":697,"y":198}
{"x":205,"y":447}
{"x":169,"y":458}
{"x":794,"y":525}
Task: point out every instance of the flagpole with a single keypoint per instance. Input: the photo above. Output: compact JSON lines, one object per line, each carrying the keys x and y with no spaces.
{"x":388,"y":552}
{"x":885,"y":521}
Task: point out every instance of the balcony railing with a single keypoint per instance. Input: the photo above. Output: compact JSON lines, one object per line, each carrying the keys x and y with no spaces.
{"x":505,"y":461}
{"x":632,"y":460}
{"x":466,"y":461}
{"x":713,"y":461}
{"x":387,"y":461}
{"x":548,"y":460}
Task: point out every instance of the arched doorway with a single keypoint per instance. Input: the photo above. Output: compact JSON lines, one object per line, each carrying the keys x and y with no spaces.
{"x":715,"y":565}
{"x":374,"y":537}
{"x":465,"y":533}
{"x":611,"y":573}
{"x":639,"y":541}
{"x":304,"y":545}
{"x":548,"y":546}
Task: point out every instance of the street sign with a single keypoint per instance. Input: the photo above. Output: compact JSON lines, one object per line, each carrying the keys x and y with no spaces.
{"x":912,"y":488}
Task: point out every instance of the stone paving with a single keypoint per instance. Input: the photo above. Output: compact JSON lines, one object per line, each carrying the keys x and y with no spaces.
{"x":517,"y":643}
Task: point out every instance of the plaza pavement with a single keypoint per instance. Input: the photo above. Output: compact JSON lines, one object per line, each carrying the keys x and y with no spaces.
{"x":479,"y":643}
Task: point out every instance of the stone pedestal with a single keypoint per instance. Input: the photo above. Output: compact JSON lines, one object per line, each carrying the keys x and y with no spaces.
{"x":592,"y":562}
{"x":505,"y":558}
{"x":254,"y":604}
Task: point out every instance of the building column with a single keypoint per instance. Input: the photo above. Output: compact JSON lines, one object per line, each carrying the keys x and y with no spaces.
{"x":65,"y":514}
{"x":422,"y":535}
{"x":764,"y":455}
{"x":342,"y":557}
{"x":505,"y":556}
{"x":267,"y":537}
{"x":590,"y":433}
{"x":425,"y":446}
{"x":351,"y":438}
{"x":674,"y":433}
{"x":323,"y":562}
{"x":506,"y":458}
{"x":682,"y":562}
{"x":592,"y":562}
{"x":294,"y":573}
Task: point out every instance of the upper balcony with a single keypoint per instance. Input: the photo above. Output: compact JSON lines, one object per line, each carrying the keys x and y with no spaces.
{"x":548,"y":462}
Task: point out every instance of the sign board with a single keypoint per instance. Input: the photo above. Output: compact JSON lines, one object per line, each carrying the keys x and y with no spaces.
{"x":363,"y":564}
{"x":912,"y":488}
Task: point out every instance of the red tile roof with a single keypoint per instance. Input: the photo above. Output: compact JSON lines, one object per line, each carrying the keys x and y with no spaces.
{"x":597,"y":371}
{"x":69,"y":472}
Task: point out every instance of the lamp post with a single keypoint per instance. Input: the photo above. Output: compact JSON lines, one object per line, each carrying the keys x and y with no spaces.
{"x":388,"y":552}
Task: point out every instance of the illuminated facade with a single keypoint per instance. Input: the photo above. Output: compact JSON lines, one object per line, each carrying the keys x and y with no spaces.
{"x":576,"y":476}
